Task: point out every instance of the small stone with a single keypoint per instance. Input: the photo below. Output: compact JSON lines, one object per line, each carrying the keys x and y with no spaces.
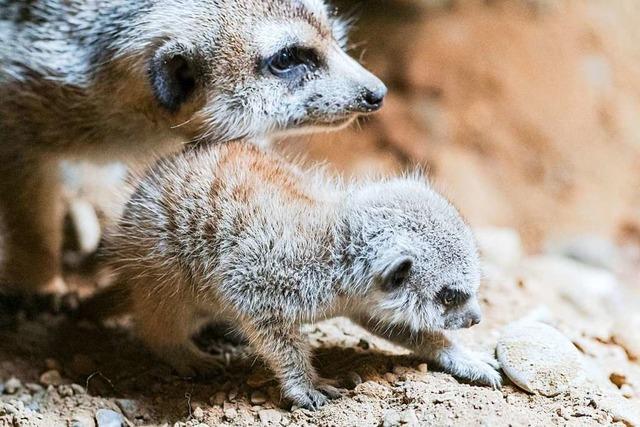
{"x":618,"y":379}
{"x":233,"y":393}
{"x":82,"y":419}
{"x":269,"y":417}
{"x":78,"y":389}
{"x":627,"y":391}
{"x":12,"y":385}
{"x":538,"y":358}
{"x":196,"y":404}
{"x":198,"y":413}
{"x":352,"y":380}
{"x":390,"y":378}
{"x":109,"y":418}
{"x":65,"y":391}
{"x":51,"y":377}
{"x":229,"y":411}
{"x":258,"y":397}
{"x":219,"y":398}
{"x":423,"y":367}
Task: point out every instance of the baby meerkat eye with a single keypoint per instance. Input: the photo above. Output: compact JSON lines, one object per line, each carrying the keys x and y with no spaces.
{"x":397,"y":274}
{"x":292,"y":61}
{"x":452,"y":297}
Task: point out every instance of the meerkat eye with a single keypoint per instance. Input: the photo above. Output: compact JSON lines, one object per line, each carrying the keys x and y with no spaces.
{"x":397,"y":274}
{"x":292,"y":61}
{"x":452,"y":297}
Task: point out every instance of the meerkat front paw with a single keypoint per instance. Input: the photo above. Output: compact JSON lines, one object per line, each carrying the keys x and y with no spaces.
{"x":470,"y":366}
{"x":312,"y":398}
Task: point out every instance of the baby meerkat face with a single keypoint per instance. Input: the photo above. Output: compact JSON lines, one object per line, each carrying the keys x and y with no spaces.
{"x":424,"y":265}
{"x":267,"y":68}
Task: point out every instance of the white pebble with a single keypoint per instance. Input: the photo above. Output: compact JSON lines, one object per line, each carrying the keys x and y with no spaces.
{"x":538,"y":358}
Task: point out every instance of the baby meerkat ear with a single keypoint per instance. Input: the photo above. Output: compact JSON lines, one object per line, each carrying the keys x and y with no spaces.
{"x":396,"y":272}
{"x":173,"y":76}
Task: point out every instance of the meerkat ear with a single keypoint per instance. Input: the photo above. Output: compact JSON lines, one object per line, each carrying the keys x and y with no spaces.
{"x":172,"y":75}
{"x":396,"y":272}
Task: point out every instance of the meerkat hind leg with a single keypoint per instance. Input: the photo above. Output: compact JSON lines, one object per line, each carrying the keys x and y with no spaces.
{"x":168,"y":331}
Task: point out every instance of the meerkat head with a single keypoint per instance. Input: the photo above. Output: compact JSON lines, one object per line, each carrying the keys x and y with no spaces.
{"x":413,"y":257}
{"x":245,"y":68}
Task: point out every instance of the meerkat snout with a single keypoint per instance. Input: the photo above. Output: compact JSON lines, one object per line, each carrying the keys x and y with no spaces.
{"x":371,"y":99}
{"x":273,"y":70}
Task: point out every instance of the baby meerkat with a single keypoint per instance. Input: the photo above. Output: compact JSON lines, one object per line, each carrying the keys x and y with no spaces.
{"x":233,"y":234}
{"x":127,"y":80}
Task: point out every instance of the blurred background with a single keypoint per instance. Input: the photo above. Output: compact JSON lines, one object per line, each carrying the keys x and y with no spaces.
{"x":526,"y":113}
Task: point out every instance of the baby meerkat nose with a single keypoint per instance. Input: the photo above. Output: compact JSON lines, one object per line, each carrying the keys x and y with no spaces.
{"x":371,"y":99}
{"x":474,"y":319}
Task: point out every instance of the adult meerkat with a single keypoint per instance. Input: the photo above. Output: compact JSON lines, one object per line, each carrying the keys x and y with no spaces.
{"x":236,"y":235}
{"x":118,"y":80}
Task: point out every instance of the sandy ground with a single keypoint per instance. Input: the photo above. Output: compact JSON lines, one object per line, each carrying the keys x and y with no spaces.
{"x":105,"y":368}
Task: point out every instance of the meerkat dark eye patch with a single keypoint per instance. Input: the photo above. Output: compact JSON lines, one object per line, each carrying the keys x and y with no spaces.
{"x":450,"y":297}
{"x":292,"y":62}
{"x":397,"y":273}
{"x":172,"y":79}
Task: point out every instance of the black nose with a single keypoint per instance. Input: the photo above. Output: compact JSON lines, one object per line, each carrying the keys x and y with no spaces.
{"x":372,"y":98}
{"x":474,"y":320}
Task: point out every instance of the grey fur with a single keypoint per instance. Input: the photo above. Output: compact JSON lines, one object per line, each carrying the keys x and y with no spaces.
{"x":89,"y":79}
{"x":235,"y":234}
